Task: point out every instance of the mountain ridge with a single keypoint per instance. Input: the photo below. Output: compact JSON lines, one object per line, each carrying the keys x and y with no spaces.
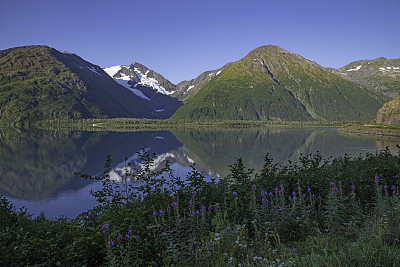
{"x":296,"y":86}
{"x":381,"y":74}
{"x":269,"y":83}
{"x":40,"y":82}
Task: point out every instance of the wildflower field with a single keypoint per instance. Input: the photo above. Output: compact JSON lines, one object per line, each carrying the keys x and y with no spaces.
{"x":319,"y":212}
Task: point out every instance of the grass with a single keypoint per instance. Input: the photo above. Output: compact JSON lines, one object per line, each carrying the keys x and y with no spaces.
{"x":339,"y":212}
{"x":129,"y":124}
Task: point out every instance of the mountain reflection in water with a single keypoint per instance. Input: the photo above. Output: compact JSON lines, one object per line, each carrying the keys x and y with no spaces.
{"x":36,"y":167}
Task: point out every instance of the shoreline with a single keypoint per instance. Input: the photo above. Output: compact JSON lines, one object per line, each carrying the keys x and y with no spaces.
{"x":372,"y":131}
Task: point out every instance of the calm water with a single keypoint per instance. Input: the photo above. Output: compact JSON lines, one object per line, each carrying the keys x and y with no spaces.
{"x":36,"y":167}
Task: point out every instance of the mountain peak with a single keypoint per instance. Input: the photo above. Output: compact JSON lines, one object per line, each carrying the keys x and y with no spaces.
{"x":138,"y":74}
{"x":270,"y":83}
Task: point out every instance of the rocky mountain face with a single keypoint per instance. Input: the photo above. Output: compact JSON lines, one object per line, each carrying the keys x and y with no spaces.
{"x":271,"y":83}
{"x":380,"y":75}
{"x":148,"y":85}
{"x":389,"y":114}
{"x":39,"y":82}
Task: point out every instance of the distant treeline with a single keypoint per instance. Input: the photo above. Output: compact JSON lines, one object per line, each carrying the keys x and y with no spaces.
{"x":135,"y":123}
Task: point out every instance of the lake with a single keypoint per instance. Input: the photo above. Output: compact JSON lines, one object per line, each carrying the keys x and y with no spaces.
{"x":37,"y":167}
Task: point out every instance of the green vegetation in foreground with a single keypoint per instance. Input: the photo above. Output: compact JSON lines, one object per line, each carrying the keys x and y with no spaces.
{"x":137,"y":124}
{"x":339,"y":212}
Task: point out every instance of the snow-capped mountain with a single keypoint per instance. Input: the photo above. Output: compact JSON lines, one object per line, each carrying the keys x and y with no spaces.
{"x":136,"y":74}
{"x":148,"y":85}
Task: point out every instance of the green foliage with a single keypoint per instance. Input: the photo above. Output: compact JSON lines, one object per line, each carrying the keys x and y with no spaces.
{"x":298,"y":214}
{"x":35,"y":85}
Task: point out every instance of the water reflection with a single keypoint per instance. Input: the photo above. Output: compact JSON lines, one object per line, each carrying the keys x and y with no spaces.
{"x":36,"y":167}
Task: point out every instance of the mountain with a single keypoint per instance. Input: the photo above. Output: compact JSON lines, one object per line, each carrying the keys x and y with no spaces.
{"x":148,"y":85}
{"x":186,"y":89}
{"x":380,"y":75}
{"x":138,"y":75}
{"x":39,"y":82}
{"x":271,"y":83}
{"x":389,"y":114}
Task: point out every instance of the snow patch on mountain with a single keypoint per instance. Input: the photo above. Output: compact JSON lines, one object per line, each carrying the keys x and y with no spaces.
{"x":93,"y":70}
{"x":123,"y":80}
{"x":113,"y":70}
{"x":355,"y":68}
{"x":388,"y":69}
{"x":151,"y":82}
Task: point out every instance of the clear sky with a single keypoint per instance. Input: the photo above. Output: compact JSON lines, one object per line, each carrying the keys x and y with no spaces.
{"x":181,"y":39}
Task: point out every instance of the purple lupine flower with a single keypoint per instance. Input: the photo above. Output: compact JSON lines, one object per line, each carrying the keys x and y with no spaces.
{"x":137,"y":238}
{"x":194,"y":193}
{"x":378,"y":189}
{"x":191,"y":204}
{"x":294,"y":194}
{"x":140,"y":223}
{"x":319,"y":197}
{"x":332,"y":183}
{"x":313,"y":196}
{"x":393,"y":188}
{"x":254,"y":188}
{"x":290,"y":199}
{"x":271,"y":194}
{"x":126,"y":237}
{"x":203,"y":208}
{"x":174,"y":204}
{"x":105,"y":226}
{"x":376,"y":179}
{"x":154,"y":213}
{"x":294,"y":199}
{"x":129,"y":232}
{"x":309,"y":190}
{"x":168,"y":209}
{"x":276,"y":191}
{"x":385,"y":187}
{"x":335,"y":190}
{"x":162,"y":213}
{"x":282,"y":188}
{"x":235,"y":194}
{"x":119,"y":237}
{"x":210,"y":207}
{"x":197,"y":212}
{"x":262,"y":192}
{"x":353,"y":187}
{"x":110,"y":243}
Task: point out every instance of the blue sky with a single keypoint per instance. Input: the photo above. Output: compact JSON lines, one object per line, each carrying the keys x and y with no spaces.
{"x":181,"y":39}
